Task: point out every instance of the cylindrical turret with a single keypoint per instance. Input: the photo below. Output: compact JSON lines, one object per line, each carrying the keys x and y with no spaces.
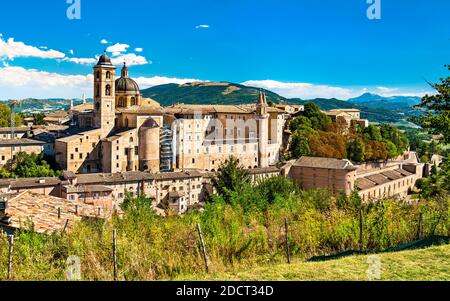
{"x":149,"y":141}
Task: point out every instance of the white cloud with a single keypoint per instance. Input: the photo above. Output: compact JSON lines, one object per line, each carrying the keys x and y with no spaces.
{"x":82,"y":61}
{"x":202,"y":26}
{"x":386,"y":89}
{"x":138,"y":49}
{"x":302,"y":90}
{"x":117,"y":48}
{"x":18,"y":82}
{"x":131,"y":59}
{"x":104,"y":41}
{"x":310,"y":91}
{"x":1,"y":35}
{"x":11,"y":49}
{"x":71,"y":51}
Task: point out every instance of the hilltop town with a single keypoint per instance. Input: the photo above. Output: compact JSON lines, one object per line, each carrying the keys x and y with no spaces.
{"x":124,"y":144}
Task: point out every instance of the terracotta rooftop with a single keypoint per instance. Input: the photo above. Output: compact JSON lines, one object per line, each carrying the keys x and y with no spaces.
{"x":330,"y":163}
{"x":378,"y":179}
{"x":87,"y":189}
{"x":383,"y":177}
{"x":24,"y":183}
{"x":141,"y":110}
{"x":392,"y":175}
{"x":364,"y":184}
{"x":105,"y":178}
{"x":83,"y":107}
{"x":20,"y":129}
{"x":22,"y":141}
{"x":270,"y":169}
{"x":190,"y":109}
{"x":178,"y":175}
{"x":42,"y":211}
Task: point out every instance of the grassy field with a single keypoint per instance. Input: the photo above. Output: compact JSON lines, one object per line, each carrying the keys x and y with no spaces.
{"x":431,"y":264}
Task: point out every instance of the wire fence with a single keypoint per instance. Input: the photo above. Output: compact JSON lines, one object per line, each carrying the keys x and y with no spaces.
{"x":424,"y":225}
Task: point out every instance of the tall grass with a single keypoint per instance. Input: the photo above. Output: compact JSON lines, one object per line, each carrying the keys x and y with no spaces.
{"x":240,"y":234}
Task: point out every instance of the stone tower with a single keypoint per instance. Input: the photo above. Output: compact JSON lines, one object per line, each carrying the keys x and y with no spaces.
{"x":263,"y":130}
{"x":104,"y":95}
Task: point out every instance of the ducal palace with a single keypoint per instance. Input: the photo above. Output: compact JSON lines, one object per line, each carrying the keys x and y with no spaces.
{"x":123,"y":132}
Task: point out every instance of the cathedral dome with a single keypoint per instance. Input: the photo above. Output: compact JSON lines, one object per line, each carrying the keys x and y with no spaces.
{"x":104,"y":60}
{"x":124,"y":84}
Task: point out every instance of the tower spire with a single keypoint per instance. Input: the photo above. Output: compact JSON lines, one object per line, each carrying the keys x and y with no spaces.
{"x":124,"y":69}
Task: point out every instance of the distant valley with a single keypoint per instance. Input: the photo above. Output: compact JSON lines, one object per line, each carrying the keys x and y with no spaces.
{"x":376,"y":108}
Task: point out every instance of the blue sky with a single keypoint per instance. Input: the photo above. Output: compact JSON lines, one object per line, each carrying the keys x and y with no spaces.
{"x":298,"y":48}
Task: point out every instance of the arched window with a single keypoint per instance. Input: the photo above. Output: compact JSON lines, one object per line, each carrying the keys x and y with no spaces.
{"x":131,"y":139}
{"x":133,"y":101}
{"x":97,"y":75}
{"x":108,"y":90}
{"x":121,"y":102}
{"x":97,"y":91}
{"x":108,"y":75}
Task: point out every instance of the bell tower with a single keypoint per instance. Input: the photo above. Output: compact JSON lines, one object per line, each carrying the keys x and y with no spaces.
{"x":263,"y":130}
{"x":104,"y":95}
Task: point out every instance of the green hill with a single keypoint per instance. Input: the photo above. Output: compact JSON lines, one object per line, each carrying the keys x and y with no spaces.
{"x":430,"y":264}
{"x":207,"y":93}
{"x":232,"y":93}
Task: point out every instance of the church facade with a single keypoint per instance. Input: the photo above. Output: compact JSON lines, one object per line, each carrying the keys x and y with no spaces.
{"x":126,"y":131}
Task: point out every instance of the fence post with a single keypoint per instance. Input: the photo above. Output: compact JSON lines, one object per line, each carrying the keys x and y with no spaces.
{"x":361,"y":224}
{"x":10,"y":255}
{"x":65,"y":225}
{"x":286,"y":231}
{"x":115,"y":254}
{"x":205,"y":257}
{"x":419,"y":227}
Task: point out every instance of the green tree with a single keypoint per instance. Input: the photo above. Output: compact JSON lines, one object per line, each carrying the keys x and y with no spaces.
{"x":319,"y":120}
{"x":232,"y":177}
{"x":25,"y":165}
{"x":300,"y":144}
{"x":372,"y":133}
{"x":299,"y":122}
{"x":356,"y":150}
{"x":39,"y":119}
{"x":437,"y":110}
{"x":5,"y":117}
{"x":391,"y":149}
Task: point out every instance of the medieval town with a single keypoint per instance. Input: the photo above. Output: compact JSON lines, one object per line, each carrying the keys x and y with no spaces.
{"x":124,"y":144}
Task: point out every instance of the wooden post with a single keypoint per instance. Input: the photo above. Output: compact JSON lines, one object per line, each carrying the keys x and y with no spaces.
{"x":65,"y":225}
{"x":361,"y":224}
{"x":115,"y":254}
{"x":203,"y":247}
{"x":286,"y":232}
{"x":59,"y":213}
{"x":419,"y":227}
{"x":10,"y":255}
